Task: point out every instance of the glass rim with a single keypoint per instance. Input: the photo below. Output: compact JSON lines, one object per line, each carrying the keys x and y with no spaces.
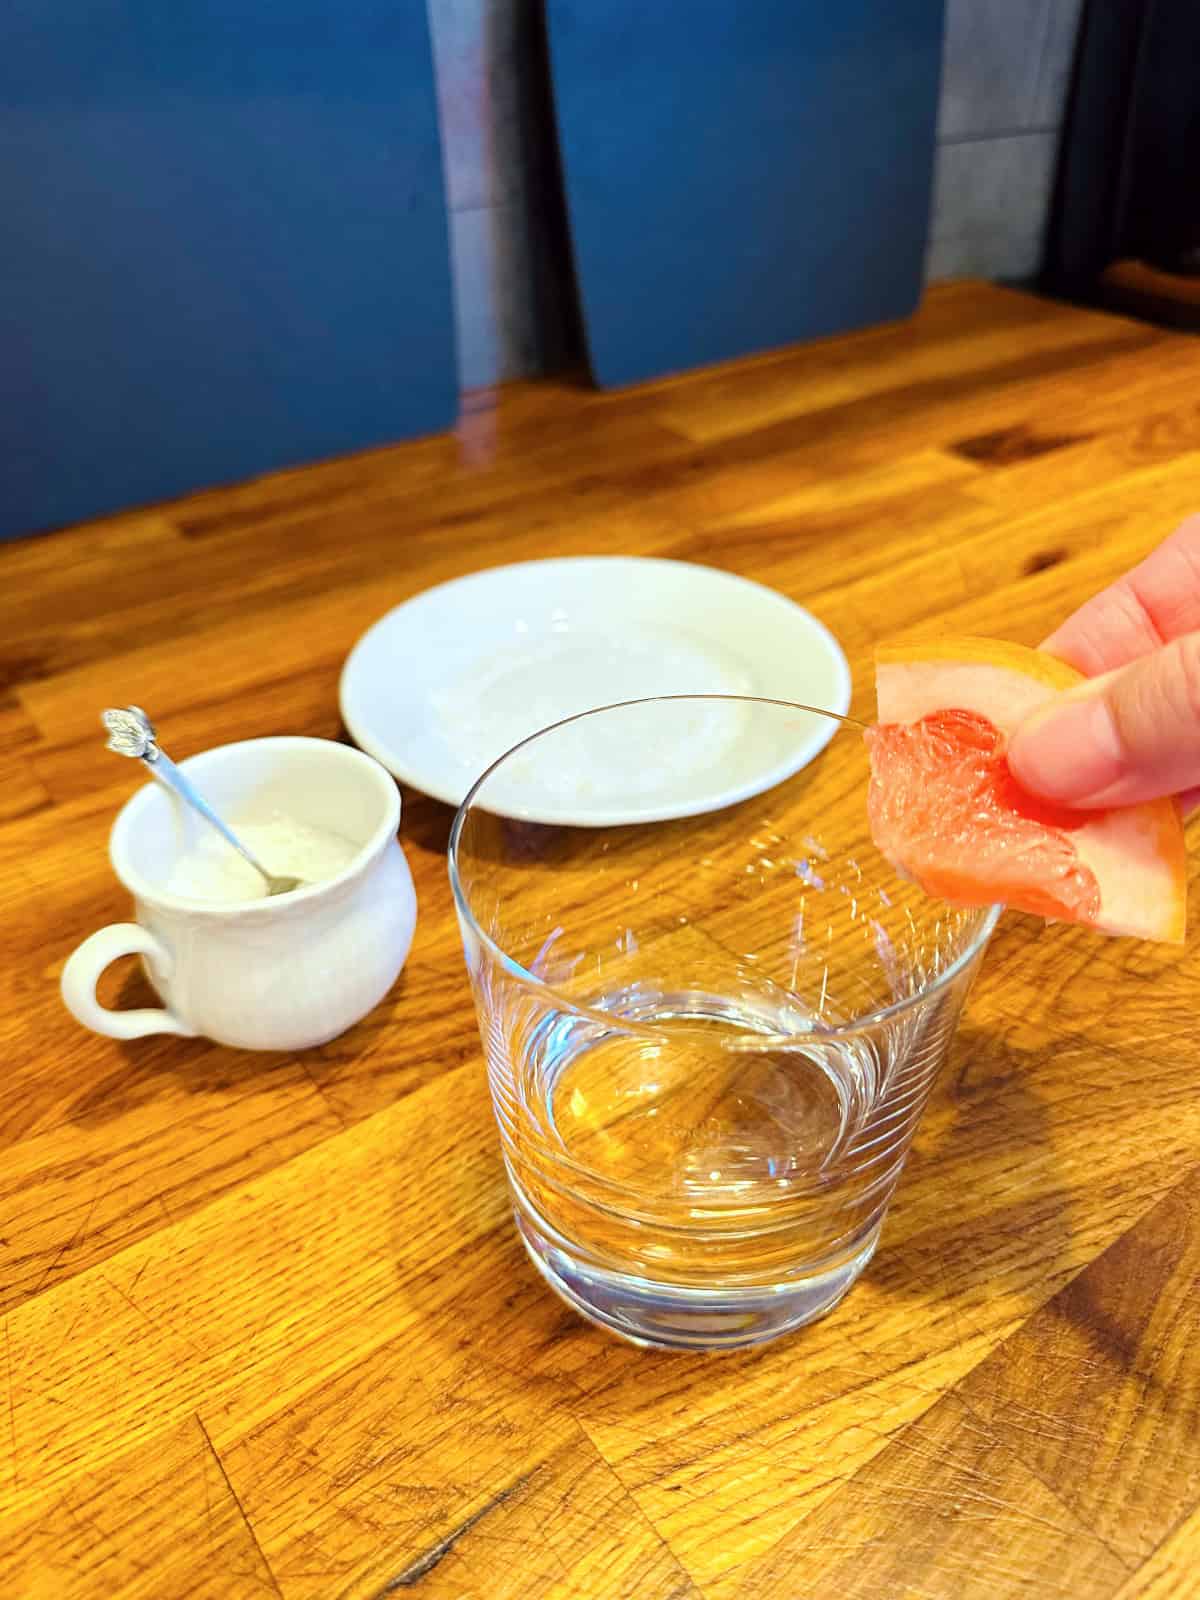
{"x":988,"y":916}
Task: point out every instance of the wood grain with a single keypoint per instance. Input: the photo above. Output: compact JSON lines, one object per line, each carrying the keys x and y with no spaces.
{"x":267,"y":1329}
{"x":161,"y":1521}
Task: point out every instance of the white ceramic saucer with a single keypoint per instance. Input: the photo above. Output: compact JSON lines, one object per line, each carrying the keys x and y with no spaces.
{"x":447,"y":682}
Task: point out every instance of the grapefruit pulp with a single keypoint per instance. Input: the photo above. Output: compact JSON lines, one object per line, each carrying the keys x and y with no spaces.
{"x":945,"y":808}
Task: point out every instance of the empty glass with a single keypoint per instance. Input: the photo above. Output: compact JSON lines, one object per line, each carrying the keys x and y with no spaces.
{"x":709,"y":1039}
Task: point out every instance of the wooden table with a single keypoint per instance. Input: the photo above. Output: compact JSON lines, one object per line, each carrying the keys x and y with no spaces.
{"x":245,"y":1353}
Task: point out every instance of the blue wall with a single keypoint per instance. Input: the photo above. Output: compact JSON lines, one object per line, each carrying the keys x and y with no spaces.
{"x":223,"y":244}
{"x":742,"y":173}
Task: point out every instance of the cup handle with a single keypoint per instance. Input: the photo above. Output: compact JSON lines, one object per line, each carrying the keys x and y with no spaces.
{"x":82,"y":973}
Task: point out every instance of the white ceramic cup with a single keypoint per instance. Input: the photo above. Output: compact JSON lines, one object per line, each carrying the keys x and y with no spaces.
{"x":266,"y":974}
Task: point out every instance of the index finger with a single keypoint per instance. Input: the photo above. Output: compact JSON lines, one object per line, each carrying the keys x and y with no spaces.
{"x":1151,"y":605}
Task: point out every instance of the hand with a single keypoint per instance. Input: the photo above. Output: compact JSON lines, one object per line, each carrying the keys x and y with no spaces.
{"x":1133,"y":732}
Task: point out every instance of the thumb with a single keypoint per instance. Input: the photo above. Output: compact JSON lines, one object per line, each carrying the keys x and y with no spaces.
{"x":1131,"y":735}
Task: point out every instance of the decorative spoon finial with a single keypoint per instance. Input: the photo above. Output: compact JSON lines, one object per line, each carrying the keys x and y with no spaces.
{"x":130,"y":733}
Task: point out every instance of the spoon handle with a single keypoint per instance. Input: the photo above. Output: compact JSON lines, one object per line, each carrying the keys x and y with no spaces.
{"x":131,"y":733}
{"x":160,"y":766}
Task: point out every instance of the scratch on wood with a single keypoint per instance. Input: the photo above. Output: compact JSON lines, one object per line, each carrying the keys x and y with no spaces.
{"x":423,"y":1565}
{"x":159,"y":1327}
{"x":1047,"y":1483}
{"x":68,"y":1244}
{"x":94,"y":1536}
{"x":324,"y":1098}
{"x":241,"y":1510}
{"x":208,"y":1511}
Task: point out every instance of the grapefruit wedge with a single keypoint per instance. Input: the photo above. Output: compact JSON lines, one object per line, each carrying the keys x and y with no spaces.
{"x":945,"y":809}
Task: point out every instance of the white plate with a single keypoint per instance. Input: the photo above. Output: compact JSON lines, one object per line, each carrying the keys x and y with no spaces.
{"x":447,"y":682}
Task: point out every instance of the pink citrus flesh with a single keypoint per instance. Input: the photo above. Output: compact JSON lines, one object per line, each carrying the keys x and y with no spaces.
{"x":946,"y":810}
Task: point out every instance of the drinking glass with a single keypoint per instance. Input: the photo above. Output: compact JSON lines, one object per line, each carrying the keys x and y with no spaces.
{"x":709,"y":1037}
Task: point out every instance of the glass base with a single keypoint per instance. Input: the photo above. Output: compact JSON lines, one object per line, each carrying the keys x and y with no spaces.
{"x":667,"y":1316}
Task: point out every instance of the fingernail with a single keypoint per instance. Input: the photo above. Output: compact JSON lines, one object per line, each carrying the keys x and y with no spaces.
{"x":1070,"y":750}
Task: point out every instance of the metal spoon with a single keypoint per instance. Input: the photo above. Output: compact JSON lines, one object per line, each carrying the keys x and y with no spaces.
{"x":131,"y":733}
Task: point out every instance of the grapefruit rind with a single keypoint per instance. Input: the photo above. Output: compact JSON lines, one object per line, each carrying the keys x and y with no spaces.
{"x":1137,"y":853}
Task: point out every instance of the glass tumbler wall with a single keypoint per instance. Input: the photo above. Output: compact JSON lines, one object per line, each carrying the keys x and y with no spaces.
{"x":709,"y":1039}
